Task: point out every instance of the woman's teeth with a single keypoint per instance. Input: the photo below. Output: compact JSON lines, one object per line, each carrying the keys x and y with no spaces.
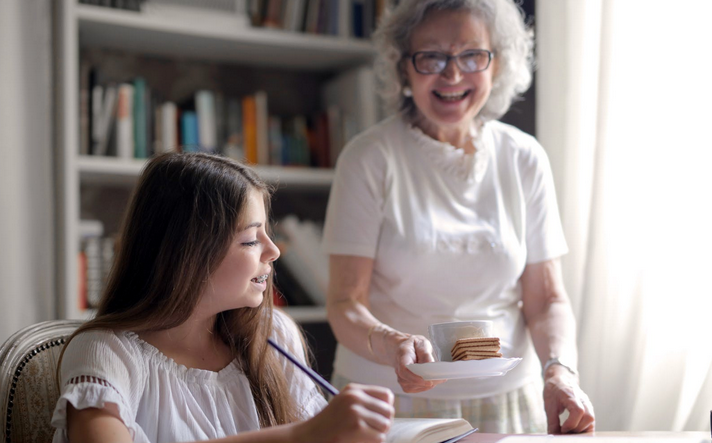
{"x":260,"y":279}
{"x":451,"y":96}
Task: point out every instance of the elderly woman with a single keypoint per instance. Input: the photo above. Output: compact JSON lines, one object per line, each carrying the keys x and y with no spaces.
{"x":441,"y":213}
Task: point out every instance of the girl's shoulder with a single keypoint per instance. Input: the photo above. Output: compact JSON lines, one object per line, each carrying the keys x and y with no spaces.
{"x":105,"y":347}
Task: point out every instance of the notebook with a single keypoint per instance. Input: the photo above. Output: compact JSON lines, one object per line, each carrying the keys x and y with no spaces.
{"x":427,"y":430}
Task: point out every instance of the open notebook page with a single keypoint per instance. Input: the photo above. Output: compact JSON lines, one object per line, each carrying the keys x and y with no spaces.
{"x":426,"y":430}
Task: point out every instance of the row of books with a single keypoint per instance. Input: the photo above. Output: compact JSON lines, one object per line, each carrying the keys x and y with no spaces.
{"x":126,"y":120}
{"x":130,"y":5}
{"x":343,"y":18}
{"x":95,"y":258}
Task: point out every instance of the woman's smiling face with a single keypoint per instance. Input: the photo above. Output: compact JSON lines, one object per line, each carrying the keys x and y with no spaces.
{"x":452,"y":98}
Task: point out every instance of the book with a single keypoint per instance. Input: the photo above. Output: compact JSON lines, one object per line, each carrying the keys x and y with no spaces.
{"x":428,"y":430}
{"x":169,"y":128}
{"x":124,"y":122}
{"x":275,"y":140}
{"x":233,"y":147}
{"x":249,"y":128}
{"x":85,"y":115}
{"x":344,"y":19}
{"x":140,"y":118}
{"x":294,"y":15}
{"x":262,"y":127}
{"x":103,"y":117}
{"x":207,"y":128}
{"x":189,"y":131}
{"x":311,"y":20}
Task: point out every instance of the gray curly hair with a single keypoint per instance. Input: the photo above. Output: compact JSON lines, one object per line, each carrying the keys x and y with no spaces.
{"x":512,"y":42}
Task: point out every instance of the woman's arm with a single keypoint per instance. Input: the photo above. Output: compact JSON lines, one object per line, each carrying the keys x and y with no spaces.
{"x":357,"y":414}
{"x":552,"y":325}
{"x":354,"y":326}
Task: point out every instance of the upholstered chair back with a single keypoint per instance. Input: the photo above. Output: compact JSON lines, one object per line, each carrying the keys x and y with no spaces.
{"x":28,"y":386}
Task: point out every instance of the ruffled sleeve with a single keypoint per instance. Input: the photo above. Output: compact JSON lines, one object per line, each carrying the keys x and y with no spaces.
{"x":98,"y":368}
{"x":301,"y":387}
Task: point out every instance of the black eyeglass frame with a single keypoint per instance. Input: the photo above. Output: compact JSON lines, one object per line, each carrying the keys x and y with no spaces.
{"x":448,"y":57}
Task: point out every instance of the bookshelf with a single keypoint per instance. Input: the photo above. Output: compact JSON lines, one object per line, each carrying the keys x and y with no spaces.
{"x":83,"y":180}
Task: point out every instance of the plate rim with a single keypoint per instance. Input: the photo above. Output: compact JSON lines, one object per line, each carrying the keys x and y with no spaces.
{"x":492,"y":373}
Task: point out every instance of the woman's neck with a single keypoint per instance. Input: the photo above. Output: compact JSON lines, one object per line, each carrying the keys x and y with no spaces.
{"x":459,"y":136}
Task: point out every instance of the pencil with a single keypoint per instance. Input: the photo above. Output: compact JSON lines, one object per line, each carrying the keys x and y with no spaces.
{"x":309,"y":371}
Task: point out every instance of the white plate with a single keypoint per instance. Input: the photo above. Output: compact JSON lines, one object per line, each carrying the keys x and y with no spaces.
{"x":446,"y":370}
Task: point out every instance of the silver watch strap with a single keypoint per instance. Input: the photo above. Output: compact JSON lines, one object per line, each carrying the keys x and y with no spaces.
{"x":556,"y":361}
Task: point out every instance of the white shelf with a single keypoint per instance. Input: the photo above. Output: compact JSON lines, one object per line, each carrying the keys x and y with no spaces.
{"x":219,"y":38}
{"x":112,"y":170}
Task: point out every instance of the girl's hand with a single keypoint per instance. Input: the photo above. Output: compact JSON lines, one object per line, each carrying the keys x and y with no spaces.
{"x":405,"y":349}
{"x":360,"y":413}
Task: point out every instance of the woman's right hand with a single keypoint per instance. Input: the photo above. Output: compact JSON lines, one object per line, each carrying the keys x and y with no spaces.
{"x":360,"y":413}
{"x":405,"y":349}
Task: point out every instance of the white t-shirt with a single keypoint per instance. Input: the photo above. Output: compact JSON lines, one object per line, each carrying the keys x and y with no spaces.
{"x":162,"y":401}
{"x":450,"y":235}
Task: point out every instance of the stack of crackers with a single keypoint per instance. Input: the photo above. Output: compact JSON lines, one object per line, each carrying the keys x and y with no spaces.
{"x":476,"y":349}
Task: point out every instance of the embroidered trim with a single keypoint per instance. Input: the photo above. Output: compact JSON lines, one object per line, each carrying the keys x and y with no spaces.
{"x":91,"y":379}
{"x":454,"y":161}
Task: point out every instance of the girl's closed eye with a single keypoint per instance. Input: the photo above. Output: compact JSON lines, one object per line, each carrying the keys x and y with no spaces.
{"x":251,"y":243}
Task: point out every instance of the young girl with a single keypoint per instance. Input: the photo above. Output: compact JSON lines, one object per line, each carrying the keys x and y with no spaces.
{"x":178,"y":349}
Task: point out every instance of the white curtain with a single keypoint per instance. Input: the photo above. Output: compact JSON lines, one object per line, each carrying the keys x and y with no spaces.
{"x":624,"y":109}
{"x":26,"y":173}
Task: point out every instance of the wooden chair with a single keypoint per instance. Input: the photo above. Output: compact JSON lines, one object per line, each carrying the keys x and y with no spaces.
{"x":28,"y":386}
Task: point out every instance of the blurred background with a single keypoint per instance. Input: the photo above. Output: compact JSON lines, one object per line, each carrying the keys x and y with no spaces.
{"x":621,"y":102}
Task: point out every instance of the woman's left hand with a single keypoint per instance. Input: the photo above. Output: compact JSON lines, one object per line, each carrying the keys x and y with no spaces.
{"x":562,"y":392}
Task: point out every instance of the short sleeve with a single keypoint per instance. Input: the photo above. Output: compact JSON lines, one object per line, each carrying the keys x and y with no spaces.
{"x":355,"y":210}
{"x":301,"y":387}
{"x":99,"y":368}
{"x":544,"y":235}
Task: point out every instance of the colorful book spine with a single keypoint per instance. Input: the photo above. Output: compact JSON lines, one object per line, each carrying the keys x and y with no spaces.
{"x":249,"y":128}
{"x":169,"y":127}
{"x":262,"y":127}
{"x":140,"y":119}
{"x":205,"y":108}
{"x":189,"y":131}
{"x":124,"y":122}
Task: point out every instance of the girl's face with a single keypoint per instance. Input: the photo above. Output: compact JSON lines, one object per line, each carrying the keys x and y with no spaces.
{"x":241,"y":278}
{"x":453,"y":97}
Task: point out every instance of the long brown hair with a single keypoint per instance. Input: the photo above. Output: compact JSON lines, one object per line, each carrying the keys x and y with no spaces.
{"x":182,"y":218}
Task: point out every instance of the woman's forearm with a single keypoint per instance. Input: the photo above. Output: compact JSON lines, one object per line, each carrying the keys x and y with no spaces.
{"x":548,"y":313}
{"x":553,"y":332}
{"x":348,"y":312}
{"x":351,"y":323}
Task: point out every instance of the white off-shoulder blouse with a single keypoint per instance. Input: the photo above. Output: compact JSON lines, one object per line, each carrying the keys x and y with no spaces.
{"x":162,"y":401}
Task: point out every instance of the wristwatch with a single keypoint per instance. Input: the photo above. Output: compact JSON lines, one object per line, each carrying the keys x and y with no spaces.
{"x":556,"y":361}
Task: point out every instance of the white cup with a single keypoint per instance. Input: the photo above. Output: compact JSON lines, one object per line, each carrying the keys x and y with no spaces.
{"x":444,"y":335}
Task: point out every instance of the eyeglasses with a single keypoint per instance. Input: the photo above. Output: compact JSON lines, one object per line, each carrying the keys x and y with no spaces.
{"x":432,"y":62}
